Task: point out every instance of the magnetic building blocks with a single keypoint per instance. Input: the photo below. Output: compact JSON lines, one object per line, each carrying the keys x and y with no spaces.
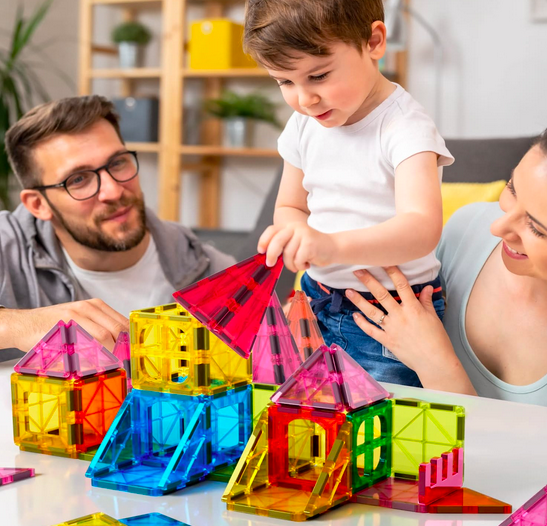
{"x":66,"y":391}
{"x":101,"y":519}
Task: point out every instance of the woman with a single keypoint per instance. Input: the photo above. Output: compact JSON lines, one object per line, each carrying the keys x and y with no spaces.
{"x":494,"y":340}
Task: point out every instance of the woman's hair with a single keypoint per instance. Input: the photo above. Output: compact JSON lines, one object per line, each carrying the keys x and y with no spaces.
{"x":70,"y":115}
{"x":277,"y":30}
{"x":541,"y":140}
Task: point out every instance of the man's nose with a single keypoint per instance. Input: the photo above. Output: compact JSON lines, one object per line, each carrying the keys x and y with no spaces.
{"x":110,"y":188}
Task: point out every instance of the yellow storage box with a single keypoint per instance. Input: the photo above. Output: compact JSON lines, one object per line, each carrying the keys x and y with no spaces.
{"x":218,"y":44}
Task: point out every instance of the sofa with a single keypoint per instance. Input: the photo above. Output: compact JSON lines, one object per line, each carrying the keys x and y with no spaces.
{"x":477,"y":161}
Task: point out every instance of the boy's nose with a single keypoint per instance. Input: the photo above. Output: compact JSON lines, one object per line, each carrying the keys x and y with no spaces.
{"x":306,"y":99}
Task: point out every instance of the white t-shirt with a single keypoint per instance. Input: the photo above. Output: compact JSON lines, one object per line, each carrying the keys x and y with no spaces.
{"x":349,"y":174}
{"x":138,"y":287}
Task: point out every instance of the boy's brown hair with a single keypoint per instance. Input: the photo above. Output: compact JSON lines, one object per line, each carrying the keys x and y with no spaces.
{"x":276,"y":30}
{"x":70,"y":115}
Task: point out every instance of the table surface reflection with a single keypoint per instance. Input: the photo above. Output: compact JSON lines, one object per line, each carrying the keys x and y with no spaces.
{"x":505,"y":457}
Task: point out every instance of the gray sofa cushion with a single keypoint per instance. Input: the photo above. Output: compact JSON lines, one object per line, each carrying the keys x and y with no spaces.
{"x":484,"y":160}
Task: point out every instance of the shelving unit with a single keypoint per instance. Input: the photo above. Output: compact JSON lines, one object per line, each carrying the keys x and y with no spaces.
{"x":171,"y":75}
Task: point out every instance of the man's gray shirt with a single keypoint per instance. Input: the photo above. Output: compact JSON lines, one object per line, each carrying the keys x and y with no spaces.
{"x":34,"y":271}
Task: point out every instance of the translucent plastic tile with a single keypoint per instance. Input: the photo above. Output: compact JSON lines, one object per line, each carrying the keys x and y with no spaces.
{"x":275,"y":355}
{"x":371,"y":444}
{"x":465,"y":500}
{"x":399,"y":494}
{"x":9,"y":475}
{"x":173,"y":352}
{"x":440,"y":476}
{"x":65,"y":417}
{"x":532,"y":513}
{"x":96,"y":519}
{"x":330,"y":379}
{"x":162,"y":442}
{"x":232,"y":303}
{"x":261,"y":398}
{"x":302,"y":489}
{"x":67,"y":351}
{"x":421,"y":431}
{"x":303,"y":325}
{"x":122,"y":351}
{"x":313,"y":384}
{"x":152,"y":519}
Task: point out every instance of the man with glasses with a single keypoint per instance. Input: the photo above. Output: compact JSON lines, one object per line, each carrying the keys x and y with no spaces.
{"x":82,"y":245}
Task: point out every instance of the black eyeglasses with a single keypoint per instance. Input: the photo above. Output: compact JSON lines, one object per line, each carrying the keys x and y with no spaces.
{"x":86,"y":184}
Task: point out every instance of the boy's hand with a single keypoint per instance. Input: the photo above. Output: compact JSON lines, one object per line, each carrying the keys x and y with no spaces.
{"x":300,"y":245}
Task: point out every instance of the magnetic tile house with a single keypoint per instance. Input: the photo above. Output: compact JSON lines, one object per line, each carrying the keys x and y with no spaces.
{"x":188,"y":416}
{"x":66,"y":391}
{"x":332,"y":435}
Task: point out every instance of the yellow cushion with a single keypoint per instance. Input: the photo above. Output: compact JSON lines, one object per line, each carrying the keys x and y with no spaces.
{"x":456,"y":195}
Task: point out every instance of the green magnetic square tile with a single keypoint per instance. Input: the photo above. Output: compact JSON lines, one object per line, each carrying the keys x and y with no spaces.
{"x":371,"y":451}
{"x":422,"y":430}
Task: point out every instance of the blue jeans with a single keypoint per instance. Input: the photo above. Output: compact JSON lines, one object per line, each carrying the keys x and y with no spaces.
{"x":337,"y":326}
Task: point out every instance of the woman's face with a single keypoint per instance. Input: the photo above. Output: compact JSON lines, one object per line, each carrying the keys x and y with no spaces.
{"x":523,"y":228}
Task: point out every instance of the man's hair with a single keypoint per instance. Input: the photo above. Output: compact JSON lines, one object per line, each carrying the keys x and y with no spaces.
{"x":541,"y":141}
{"x":70,"y":115}
{"x":277,"y":30}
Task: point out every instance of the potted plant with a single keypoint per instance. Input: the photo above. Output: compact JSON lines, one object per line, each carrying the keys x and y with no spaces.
{"x":238,"y":113}
{"x":130,"y":37}
{"x":20,"y":85}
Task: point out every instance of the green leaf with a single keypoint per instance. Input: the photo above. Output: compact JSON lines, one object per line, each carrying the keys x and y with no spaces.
{"x":33,"y":23}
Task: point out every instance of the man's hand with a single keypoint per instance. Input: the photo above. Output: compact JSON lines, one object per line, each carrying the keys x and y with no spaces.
{"x":22,"y":329}
{"x":300,"y":245}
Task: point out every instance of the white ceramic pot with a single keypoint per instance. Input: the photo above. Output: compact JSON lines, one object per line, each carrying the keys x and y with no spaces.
{"x":129,"y":55}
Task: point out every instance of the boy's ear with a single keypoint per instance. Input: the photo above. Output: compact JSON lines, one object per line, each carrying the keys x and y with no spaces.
{"x":378,"y":40}
{"x":36,"y":204}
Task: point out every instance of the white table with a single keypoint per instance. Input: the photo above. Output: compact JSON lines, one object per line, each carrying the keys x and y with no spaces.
{"x":505,"y":458}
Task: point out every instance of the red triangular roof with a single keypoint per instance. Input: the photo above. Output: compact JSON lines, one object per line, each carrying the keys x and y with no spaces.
{"x":232,"y":302}
{"x":330,"y":379}
{"x":303,"y":325}
{"x":67,"y":351}
{"x":275,"y":355}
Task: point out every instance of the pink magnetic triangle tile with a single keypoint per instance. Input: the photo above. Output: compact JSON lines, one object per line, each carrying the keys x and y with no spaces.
{"x":314,"y":384}
{"x":232,"y":302}
{"x":532,"y":513}
{"x":303,"y":325}
{"x":399,"y":494}
{"x":67,"y":351}
{"x":440,"y":476}
{"x":358,"y":387}
{"x":122,"y":351}
{"x":9,"y":475}
{"x":466,"y":500}
{"x":275,"y":355}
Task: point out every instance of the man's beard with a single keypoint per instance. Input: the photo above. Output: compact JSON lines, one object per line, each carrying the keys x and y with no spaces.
{"x":96,"y":239}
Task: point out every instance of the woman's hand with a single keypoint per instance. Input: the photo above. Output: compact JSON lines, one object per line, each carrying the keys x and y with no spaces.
{"x":412,"y":331}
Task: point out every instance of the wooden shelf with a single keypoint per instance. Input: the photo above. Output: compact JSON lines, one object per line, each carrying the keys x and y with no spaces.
{"x":222,"y":151}
{"x":143,"y":147}
{"x":128,"y":3}
{"x":225,"y":73}
{"x":133,"y":73}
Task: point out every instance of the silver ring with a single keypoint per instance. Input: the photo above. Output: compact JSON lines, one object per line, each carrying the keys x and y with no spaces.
{"x":379,"y":322}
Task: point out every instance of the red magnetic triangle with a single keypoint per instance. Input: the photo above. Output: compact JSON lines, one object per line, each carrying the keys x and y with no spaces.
{"x":275,"y":355}
{"x":465,"y":500}
{"x":303,"y":325}
{"x":67,"y":351}
{"x":231,"y":303}
{"x":314,"y":384}
{"x":532,"y":513}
